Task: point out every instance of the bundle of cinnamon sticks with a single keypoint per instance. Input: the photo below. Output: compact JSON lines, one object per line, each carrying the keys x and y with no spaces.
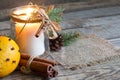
{"x":43,"y":67}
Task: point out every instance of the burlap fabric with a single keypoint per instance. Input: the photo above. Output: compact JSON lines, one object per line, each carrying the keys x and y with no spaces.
{"x":87,"y":51}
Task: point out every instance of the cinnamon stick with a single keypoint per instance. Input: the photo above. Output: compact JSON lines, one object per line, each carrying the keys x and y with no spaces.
{"x":52,"y":74}
{"x":27,"y":56}
{"x":49,"y":75}
{"x":40,"y":68}
{"x":37,"y":66}
{"x":39,"y":29}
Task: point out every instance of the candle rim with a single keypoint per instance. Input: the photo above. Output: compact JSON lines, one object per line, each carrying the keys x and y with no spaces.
{"x":23,"y":7}
{"x":15,"y":17}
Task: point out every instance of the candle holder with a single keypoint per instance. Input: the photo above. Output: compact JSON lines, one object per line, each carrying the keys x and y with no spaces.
{"x":26,"y":23}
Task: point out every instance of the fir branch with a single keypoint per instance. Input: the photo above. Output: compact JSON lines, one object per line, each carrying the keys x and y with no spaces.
{"x":70,"y":37}
{"x":56,"y":14}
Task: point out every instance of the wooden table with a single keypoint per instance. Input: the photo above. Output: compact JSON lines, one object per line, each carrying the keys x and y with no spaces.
{"x":105,"y":22}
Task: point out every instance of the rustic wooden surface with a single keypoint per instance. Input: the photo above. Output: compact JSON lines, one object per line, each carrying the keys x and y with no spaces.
{"x":104,"y":71}
{"x":101,"y":21}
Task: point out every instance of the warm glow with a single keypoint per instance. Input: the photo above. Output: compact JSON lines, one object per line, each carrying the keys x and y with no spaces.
{"x":27,"y":41}
{"x":25,"y":31}
{"x":29,"y":11}
{"x":24,"y":13}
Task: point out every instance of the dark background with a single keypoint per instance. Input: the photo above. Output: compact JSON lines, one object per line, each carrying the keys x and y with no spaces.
{"x":14,"y":3}
{"x":6,"y":4}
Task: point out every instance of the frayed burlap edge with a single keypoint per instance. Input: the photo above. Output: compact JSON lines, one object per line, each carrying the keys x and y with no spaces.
{"x":99,"y":61}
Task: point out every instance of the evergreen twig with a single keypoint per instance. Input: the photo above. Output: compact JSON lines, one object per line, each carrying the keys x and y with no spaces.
{"x":70,"y":37}
{"x":56,"y":14}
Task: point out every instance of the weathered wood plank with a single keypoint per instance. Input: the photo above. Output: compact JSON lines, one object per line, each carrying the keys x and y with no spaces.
{"x":73,"y":6}
{"x":4,"y":25}
{"x":105,"y":71}
{"x":92,"y":13}
{"x":106,"y":27}
{"x":115,"y":42}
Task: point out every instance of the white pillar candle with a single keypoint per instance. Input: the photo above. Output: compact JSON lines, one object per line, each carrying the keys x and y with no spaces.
{"x":27,"y":41}
{"x":27,"y":21}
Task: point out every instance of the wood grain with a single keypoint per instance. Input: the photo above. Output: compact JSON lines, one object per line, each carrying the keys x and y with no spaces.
{"x":104,"y":26}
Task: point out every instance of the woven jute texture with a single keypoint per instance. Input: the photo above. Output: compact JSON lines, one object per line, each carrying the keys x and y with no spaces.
{"x":86,"y":51}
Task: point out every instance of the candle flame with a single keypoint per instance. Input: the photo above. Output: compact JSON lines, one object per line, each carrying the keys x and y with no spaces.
{"x":29,"y":11}
{"x":24,"y":12}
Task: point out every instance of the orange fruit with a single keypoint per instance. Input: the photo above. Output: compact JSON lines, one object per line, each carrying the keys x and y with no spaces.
{"x":9,"y":56}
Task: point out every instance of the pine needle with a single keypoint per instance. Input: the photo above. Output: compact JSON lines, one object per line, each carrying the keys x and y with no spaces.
{"x":70,"y":37}
{"x":56,"y":14}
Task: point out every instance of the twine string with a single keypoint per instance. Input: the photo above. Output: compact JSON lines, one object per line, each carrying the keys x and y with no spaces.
{"x":26,"y":69}
{"x":21,"y":30}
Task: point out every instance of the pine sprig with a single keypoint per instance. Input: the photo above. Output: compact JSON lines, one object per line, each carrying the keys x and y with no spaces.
{"x":70,"y":37}
{"x":56,"y":14}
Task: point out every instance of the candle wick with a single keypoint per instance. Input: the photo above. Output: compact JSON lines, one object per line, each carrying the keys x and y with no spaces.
{"x":30,"y":3}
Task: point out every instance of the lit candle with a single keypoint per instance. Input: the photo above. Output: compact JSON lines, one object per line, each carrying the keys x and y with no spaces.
{"x":26,"y":39}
